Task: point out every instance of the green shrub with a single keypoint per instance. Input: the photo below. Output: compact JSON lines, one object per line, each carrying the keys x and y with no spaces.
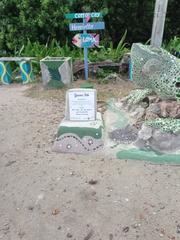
{"x":173,"y":46}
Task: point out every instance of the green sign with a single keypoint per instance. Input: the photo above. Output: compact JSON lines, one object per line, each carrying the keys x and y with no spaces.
{"x":83,"y":15}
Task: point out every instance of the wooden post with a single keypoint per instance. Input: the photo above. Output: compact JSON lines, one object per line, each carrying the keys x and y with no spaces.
{"x":159,"y":22}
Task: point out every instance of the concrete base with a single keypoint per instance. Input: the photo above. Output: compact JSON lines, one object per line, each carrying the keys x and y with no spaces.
{"x":79,"y":137}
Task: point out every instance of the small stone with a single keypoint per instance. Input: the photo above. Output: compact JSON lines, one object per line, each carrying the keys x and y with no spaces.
{"x":178,"y":228}
{"x":93,"y":193}
{"x":55,"y":212}
{"x":21,"y":234}
{"x":69,"y":235}
{"x":89,"y":235}
{"x":10,"y":163}
{"x":93,"y":182}
{"x":30,"y":208}
{"x":126,"y":229}
{"x":145,"y":133}
{"x":110,"y":236}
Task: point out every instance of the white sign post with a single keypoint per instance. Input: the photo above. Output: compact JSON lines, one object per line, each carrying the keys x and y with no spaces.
{"x":81,"y":105}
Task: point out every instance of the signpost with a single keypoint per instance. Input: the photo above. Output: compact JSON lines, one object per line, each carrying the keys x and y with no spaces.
{"x":85,"y":40}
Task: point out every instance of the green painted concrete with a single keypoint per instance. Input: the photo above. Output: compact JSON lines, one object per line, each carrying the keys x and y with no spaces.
{"x":81,"y":132}
{"x":155,"y":157}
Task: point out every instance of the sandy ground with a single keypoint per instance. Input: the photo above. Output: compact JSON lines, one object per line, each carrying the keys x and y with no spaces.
{"x":50,"y":196}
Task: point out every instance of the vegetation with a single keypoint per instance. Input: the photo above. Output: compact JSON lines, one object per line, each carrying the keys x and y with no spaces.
{"x":35,"y":23}
{"x":173,"y":46}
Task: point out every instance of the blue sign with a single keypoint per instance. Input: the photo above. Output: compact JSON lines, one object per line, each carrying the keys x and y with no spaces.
{"x":86,"y":26}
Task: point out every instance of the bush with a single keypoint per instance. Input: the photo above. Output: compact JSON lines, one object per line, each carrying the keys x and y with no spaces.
{"x":43,"y":20}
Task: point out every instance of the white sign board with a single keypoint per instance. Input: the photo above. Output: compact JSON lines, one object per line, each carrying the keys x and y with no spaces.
{"x":81,"y":104}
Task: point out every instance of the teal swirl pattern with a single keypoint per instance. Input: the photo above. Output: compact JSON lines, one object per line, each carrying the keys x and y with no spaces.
{"x":26,"y":72}
{"x":5,"y":73}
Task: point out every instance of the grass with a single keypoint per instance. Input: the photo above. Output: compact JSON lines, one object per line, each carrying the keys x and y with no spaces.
{"x":105,"y":92}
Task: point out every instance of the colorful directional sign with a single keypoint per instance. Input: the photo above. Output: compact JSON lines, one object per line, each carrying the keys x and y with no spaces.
{"x":86,"y":40}
{"x":86,"y":26}
{"x":83,"y":15}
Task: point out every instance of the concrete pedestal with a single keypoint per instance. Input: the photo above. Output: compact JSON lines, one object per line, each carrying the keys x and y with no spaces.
{"x":80,"y":137}
{"x":56,"y":71}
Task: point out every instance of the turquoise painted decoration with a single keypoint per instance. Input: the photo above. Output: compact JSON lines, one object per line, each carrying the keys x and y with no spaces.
{"x":25,"y":65}
{"x":26,"y":72}
{"x":130,"y":70}
{"x":5,"y":72}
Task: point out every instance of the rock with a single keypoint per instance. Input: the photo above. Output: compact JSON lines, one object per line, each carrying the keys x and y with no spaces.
{"x":153,"y":111}
{"x":150,"y":116}
{"x":93,"y":182}
{"x":138,"y":113}
{"x":165,"y":142}
{"x":10,"y":163}
{"x":113,"y":77}
{"x":55,"y":211}
{"x":153,"y":99}
{"x":126,"y":229}
{"x":89,"y":235}
{"x":154,"y":139}
{"x":145,"y":133}
{"x":30,"y":208}
{"x":110,"y":236}
{"x":166,"y":109}
{"x":178,"y":229}
{"x":154,"y":108}
{"x":69,"y":235}
{"x":170,"y":109}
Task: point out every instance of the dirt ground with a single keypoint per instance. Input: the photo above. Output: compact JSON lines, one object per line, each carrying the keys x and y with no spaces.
{"x":50,"y":196}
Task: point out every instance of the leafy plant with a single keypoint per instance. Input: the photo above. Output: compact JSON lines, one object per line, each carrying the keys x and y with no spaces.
{"x":121,"y":47}
{"x":173,"y":46}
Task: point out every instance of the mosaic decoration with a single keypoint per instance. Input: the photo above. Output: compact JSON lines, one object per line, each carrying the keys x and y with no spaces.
{"x":124,"y":135}
{"x":56,"y":71}
{"x":136,"y":96}
{"x":155,"y":69}
{"x":165,"y":124}
{"x":80,"y":137}
{"x":122,"y":140}
{"x":178,"y":89}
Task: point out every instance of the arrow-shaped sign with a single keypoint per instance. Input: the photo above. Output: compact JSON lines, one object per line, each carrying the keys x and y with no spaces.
{"x":86,"y":26}
{"x":83,"y":15}
{"x":86,"y":40}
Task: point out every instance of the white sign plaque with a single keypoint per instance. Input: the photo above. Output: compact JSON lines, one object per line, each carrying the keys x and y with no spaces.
{"x":82,"y":104}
